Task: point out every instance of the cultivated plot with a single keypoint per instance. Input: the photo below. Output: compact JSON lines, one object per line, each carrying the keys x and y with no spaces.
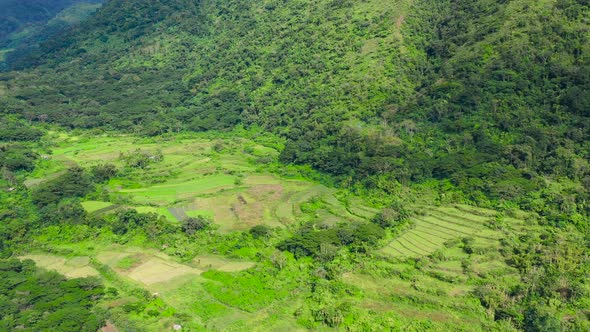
{"x":73,"y":267}
{"x":195,"y":179}
{"x":440,"y":225}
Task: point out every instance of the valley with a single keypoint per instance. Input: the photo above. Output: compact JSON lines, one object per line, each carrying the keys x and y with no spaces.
{"x":437,"y":260}
{"x":328,"y":165}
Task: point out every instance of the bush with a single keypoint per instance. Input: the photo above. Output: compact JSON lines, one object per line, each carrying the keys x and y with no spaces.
{"x":310,"y":241}
{"x":393,"y":216}
{"x":47,"y":301}
{"x":18,"y":131}
{"x":128,"y":220}
{"x":468,"y":243}
{"x":66,"y":211}
{"x":141,"y":159}
{"x":103,"y":172}
{"x":260,"y":231}
{"x":74,"y":183}
{"x":17,"y":157}
{"x":194,"y":224}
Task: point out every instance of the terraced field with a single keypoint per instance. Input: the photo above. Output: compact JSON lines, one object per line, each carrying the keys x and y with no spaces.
{"x":73,"y":267}
{"x":431,"y":267}
{"x":426,"y":274}
{"x":221,"y":179}
{"x":441,"y":225}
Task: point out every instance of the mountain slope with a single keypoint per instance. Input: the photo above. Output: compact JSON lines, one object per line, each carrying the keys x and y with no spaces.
{"x":407,"y":89}
{"x":481,"y":102}
{"x":24,"y":24}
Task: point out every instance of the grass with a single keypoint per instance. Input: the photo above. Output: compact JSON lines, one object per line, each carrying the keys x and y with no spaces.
{"x":174,"y":192}
{"x":93,"y":206}
{"x":208,"y":262}
{"x":194,"y":180}
{"x":200,"y":213}
{"x":441,"y":224}
{"x":126,"y":263}
{"x":438,"y":288}
{"x":421,"y":299}
{"x":75,"y":267}
{"x":178,"y":286}
{"x":162,"y":211}
{"x":147,"y":267}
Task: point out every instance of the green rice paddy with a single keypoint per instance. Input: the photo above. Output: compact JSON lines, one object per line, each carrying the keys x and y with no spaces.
{"x":194,"y":179}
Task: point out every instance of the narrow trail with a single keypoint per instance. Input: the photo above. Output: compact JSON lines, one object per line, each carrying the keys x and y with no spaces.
{"x":178,"y":213}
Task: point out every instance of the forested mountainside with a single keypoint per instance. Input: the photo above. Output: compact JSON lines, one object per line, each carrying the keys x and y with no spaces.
{"x":488,"y":94}
{"x":24,"y":24}
{"x":406,"y":103}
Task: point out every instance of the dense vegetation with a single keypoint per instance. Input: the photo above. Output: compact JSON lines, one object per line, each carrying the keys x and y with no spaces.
{"x":468,"y":92}
{"x":407,"y":104}
{"x":25,"y":24}
{"x":34,"y":300}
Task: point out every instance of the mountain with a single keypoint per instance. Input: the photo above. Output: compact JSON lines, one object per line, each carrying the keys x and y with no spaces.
{"x":23,"y":24}
{"x":474,"y":102}
{"x":468,"y":91}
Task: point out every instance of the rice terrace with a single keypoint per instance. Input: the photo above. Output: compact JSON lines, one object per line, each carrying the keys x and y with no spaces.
{"x":442,"y":251}
{"x":193,"y":179}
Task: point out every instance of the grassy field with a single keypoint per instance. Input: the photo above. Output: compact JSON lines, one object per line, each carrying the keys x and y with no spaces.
{"x":73,"y":267}
{"x":93,"y":206}
{"x":220,"y":179}
{"x":432,"y":266}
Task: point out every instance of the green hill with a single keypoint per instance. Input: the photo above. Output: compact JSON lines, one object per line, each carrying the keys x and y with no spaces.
{"x":25,"y":24}
{"x":407,"y":89}
{"x":422,"y":164}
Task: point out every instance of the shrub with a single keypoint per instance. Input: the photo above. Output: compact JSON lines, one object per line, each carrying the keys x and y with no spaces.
{"x":393,"y":216}
{"x":194,"y":224}
{"x":103,"y":172}
{"x":16,"y":157}
{"x":310,"y":241}
{"x":260,"y":231}
{"x":74,"y":183}
{"x":140,"y":158}
{"x":468,"y":243}
{"x":18,"y":131}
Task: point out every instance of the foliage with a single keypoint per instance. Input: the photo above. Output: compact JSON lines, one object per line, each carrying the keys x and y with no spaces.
{"x":74,"y":183}
{"x":16,"y":157}
{"x":128,"y":220}
{"x":140,"y":159}
{"x":393,"y":216}
{"x":194,"y":224}
{"x":25,"y":24}
{"x":552,"y":266}
{"x":418,"y":93}
{"x":250,"y":290}
{"x":12,"y":130}
{"x":427,"y":101}
{"x":103,"y":172}
{"x":260,"y":231}
{"x":36,"y":300}
{"x":322,"y":242}
{"x":66,"y":211}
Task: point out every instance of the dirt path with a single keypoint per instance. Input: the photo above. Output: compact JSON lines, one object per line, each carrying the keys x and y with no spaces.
{"x":178,"y":213}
